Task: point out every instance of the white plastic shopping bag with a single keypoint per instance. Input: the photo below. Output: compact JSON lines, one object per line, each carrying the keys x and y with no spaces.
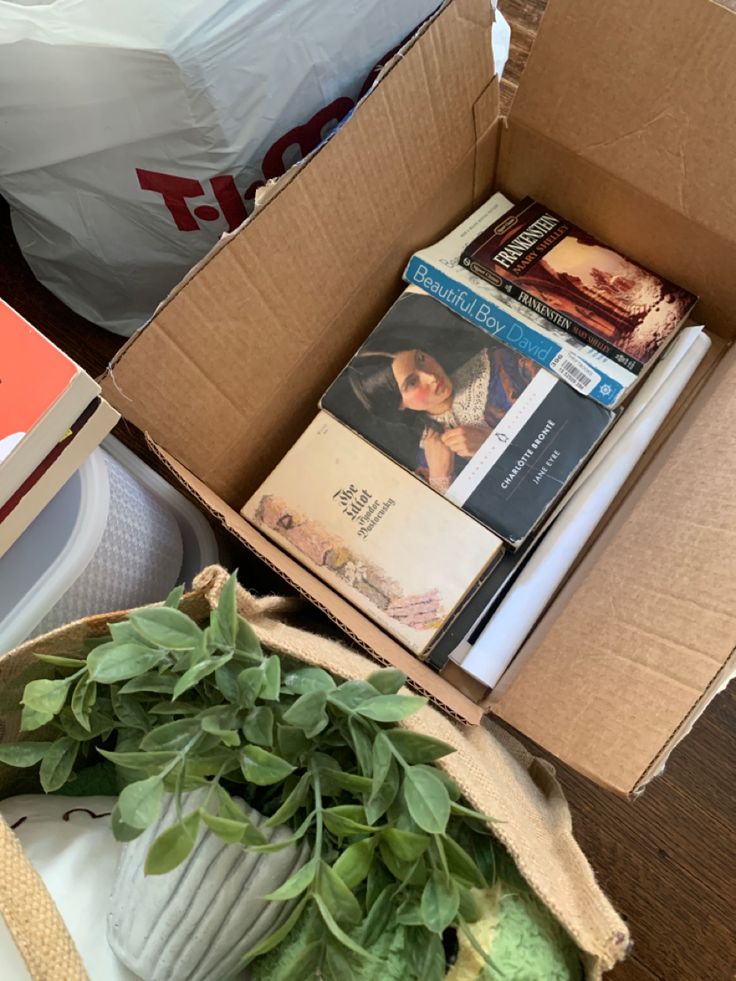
{"x":135,"y":132}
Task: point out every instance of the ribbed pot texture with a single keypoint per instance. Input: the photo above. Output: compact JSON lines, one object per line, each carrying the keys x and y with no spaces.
{"x":197,"y":922}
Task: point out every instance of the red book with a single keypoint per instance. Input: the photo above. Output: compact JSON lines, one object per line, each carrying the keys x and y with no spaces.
{"x":42,"y":393}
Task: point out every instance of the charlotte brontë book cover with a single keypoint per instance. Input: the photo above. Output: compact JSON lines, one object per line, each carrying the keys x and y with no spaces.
{"x":388,"y":544}
{"x":486,"y":427}
{"x":579,"y":284}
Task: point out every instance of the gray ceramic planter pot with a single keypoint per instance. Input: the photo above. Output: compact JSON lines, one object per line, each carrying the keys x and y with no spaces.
{"x":197,"y":922}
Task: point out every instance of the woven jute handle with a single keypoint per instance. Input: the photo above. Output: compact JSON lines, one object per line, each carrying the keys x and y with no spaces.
{"x":31,"y":917}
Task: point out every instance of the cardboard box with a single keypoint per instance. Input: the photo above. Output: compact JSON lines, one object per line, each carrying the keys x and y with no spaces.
{"x":616,"y":125}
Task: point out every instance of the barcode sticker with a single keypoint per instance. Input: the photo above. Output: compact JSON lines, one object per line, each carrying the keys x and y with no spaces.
{"x":575,"y":372}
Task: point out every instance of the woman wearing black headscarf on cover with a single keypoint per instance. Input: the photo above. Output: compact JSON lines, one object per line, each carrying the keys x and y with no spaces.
{"x":436,"y":386}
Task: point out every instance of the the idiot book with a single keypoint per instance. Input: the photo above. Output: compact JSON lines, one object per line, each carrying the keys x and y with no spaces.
{"x":397,"y":551}
{"x":483,"y":425}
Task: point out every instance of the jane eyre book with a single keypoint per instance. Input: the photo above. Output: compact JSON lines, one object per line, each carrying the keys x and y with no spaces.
{"x":579,"y":284}
{"x":481,"y":424}
{"x":388,"y":544}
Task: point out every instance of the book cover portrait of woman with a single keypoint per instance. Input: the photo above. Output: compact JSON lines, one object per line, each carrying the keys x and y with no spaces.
{"x":428,"y":388}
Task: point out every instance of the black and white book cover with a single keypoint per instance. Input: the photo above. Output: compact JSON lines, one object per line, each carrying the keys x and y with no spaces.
{"x":491,"y":430}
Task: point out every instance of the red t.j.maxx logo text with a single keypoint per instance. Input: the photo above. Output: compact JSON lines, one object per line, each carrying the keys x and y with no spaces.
{"x":177,"y":192}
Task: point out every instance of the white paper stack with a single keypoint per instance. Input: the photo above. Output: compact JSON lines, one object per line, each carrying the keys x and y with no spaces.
{"x":598,"y":485}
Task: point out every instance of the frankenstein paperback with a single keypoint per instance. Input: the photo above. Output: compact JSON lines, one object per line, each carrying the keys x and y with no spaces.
{"x":438,"y":270}
{"x":575,"y":282}
{"x":397,"y":551}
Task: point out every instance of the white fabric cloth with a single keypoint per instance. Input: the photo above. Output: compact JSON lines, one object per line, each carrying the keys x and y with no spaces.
{"x":69,"y":842}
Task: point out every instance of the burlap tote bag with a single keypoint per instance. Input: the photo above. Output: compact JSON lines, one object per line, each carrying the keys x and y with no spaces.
{"x":493,"y":770}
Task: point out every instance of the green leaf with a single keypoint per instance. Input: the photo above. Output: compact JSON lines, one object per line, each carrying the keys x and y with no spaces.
{"x":382,"y":798}
{"x":357,"y":785}
{"x":46,"y":697}
{"x":83,"y":698}
{"x":137,"y":761}
{"x":381,"y":913}
{"x":405,"y":845}
{"x":122,"y":831}
{"x":308,"y":679}
{"x":23,"y":754}
{"x":228,"y":807}
{"x":440,"y":902}
{"x":149,"y":681}
{"x":345,"y":820}
{"x":227,"y":610}
{"x":246,"y":642}
{"x":171,"y":735}
{"x":263,"y":768}
{"x":278,"y":936}
{"x":293,"y":802}
{"x":249,"y":682}
{"x":410,"y":912}
{"x":117,"y":662}
{"x":350,"y":694}
{"x":122,"y":632}
{"x":211,"y":725}
{"x":382,"y":757}
{"x":469,"y":908}
{"x":363,"y":745}
{"x":226,"y":829}
{"x":291,"y":741}
{"x":130,"y":712}
{"x":57,"y":763}
{"x":385,"y":779}
{"x":175,"y":596}
{"x":272,"y":678}
{"x":172,"y":847}
{"x":31,"y":719}
{"x":340,"y":901}
{"x":258,"y":726}
{"x":226,"y":679}
{"x":461,"y":865}
{"x":198,"y":671}
{"x":427,"y":800}
{"x":417,"y":748}
{"x":308,"y":712}
{"x":139,"y":803}
{"x":353,"y":864}
{"x":337,"y":932}
{"x":450,"y":786}
{"x":167,"y":628}
{"x":296,"y":884}
{"x":391,"y":708}
{"x":60,"y":662}
{"x":177,"y":707}
{"x":387,"y":681}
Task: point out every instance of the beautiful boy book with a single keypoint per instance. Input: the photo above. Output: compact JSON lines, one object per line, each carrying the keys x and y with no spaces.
{"x":579,"y":284}
{"x":42,"y":393}
{"x":486,"y":427}
{"x":388,"y":544}
{"x":438,"y":270}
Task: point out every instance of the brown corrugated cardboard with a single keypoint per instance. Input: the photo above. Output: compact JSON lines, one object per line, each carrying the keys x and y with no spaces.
{"x":230,"y":370}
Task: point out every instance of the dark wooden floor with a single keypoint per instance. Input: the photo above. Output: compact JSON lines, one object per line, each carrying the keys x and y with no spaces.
{"x":668,"y":860}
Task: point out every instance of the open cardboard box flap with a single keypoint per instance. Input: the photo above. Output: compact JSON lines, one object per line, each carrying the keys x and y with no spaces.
{"x":229,"y":372}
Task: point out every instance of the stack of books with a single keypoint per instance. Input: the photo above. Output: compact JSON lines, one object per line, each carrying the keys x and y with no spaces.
{"x":51,"y":419}
{"x":464,"y":456}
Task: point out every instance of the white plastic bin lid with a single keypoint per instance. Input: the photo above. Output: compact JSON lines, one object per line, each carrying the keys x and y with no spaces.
{"x":53,"y":551}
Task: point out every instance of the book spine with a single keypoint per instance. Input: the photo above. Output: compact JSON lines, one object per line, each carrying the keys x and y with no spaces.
{"x":556,"y":318}
{"x":515,"y":333}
